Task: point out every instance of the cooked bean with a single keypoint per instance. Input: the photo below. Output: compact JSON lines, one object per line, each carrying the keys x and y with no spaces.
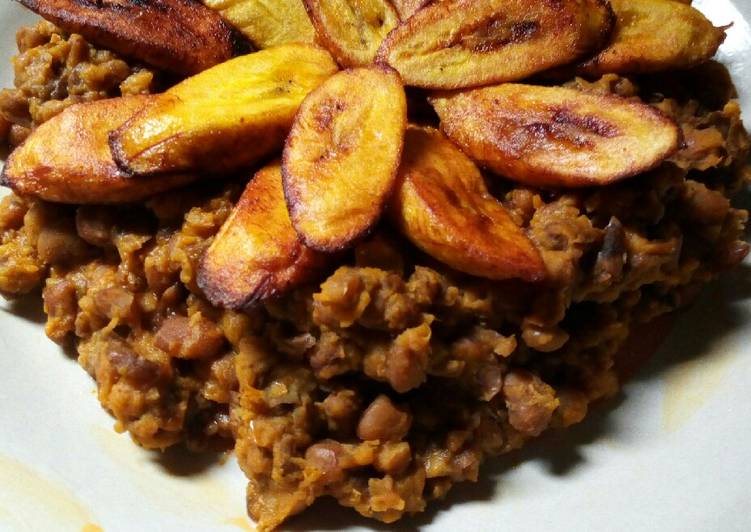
{"x":530,"y":402}
{"x":139,"y":371}
{"x":114,"y":302}
{"x":407,"y":360}
{"x":194,"y":337}
{"x":59,"y":243}
{"x":325,"y":456}
{"x":61,"y":305}
{"x":94,"y":224}
{"x":384,"y":421}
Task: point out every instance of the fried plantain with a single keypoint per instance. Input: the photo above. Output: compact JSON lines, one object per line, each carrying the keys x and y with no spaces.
{"x":556,"y":136}
{"x":180,"y":36}
{"x":341,"y":157}
{"x":407,"y":8}
{"x":442,"y":205}
{"x":67,"y":159}
{"x":655,"y":35}
{"x":464,"y":43}
{"x":226,"y":118}
{"x":267,"y":22}
{"x":352,"y":30}
{"x":257,"y":253}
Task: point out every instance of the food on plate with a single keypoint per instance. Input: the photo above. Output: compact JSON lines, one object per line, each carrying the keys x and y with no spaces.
{"x":342,"y":154}
{"x":179,"y":36}
{"x":443,"y":207}
{"x":556,"y":136}
{"x":466,"y":293}
{"x":225,"y":118}
{"x":267,"y":22}
{"x":655,"y":35}
{"x":407,"y":8}
{"x":352,"y":30}
{"x":455,"y":44}
{"x":81,"y":169}
{"x":257,"y":254}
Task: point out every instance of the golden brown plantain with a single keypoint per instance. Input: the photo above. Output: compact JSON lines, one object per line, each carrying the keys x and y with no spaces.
{"x":442,"y":205}
{"x":654,"y":35}
{"x":352,"y":30}
{"x":267,"y":22}
{"x":256,"y":254}
{"x":465,"y":43}
{"x":407,"y":8}
{"x":180,"y":36}
{"x":556,"y":136}
{"x":67,"y":159}
{"x":226,"y":118}
{"x":341,"y":157}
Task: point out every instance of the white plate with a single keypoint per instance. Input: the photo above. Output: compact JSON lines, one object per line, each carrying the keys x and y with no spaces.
{"x":673,"y":454}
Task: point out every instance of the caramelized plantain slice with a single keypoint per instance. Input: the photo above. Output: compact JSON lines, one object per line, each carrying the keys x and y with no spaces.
{"x":180,"y":36}
{"x":67,"y":159}
{"x":341,"y":157}
{"x":267,"y":22}
{"x":556,"y":136}
{"x":655,"y":35}
{"x":407,"y":8}
{"x":226,"y":118}
{"x":352,"y":30}
{"x":442,"y":205}
{"x":464,"y":43}
{"x":256,"y":254}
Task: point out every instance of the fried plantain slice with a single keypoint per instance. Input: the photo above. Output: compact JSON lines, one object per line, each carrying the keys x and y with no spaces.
{"x":407,"y":8}
{"x":442,"y":205}
{"x":67,"y":159}
{"x":556,"y":136}
{"x":267,"y":22}
{"x":655,"y":35}
{"x":341,"y":157}
{"x":225,"y":118}
{"x":257,"y":253}
{"x":352,"y":30}
{"x":180,"y":36}
{"x":464,"y":43}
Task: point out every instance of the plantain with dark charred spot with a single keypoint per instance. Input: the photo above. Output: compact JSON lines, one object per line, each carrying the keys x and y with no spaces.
{"x":179,"y":36}
{"x":257,"y":253}
{"x":655,"y":35}
{"x":67,"y":159}
{"x":226,"y":118}
{"x":455,"y":44}
{"x":441,"y":204}
{"x":352,"y":30}
{"x":556,"y":136}
{"x":341,"y":157}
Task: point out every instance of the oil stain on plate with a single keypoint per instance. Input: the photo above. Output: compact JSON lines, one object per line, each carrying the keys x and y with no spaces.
{"x":171,"y":492}
{"x":29,"y":501}
{"x":689,"y":385}
{"x":241,"y":522}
